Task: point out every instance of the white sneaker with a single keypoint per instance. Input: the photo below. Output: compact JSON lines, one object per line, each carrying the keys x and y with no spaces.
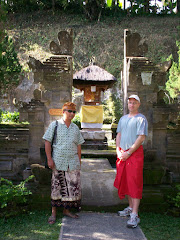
{"x":125,"y":213}
{"x":133,"y":221}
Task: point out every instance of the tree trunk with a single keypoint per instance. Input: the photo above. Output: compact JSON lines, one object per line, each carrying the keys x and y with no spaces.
{"x":53,"y":6}
{"x":146,"y":6}
{"x":124,"y":4}
{"x":177,"y":6}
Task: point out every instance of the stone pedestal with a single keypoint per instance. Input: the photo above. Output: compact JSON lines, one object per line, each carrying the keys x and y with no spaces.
{"x":94,"y":139}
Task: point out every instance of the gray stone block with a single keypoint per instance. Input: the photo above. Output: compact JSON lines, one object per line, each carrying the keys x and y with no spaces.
{"x":5,"y":165}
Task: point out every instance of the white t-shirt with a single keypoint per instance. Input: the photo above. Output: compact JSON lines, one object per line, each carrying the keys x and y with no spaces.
{"x":130,"y":128}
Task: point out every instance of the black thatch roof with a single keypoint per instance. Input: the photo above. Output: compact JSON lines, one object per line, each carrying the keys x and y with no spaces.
{"x":94,"y":73}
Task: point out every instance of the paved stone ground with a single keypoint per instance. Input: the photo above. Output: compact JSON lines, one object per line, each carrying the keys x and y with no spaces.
{"x":98,"y":226}
{"x":97,"y":178}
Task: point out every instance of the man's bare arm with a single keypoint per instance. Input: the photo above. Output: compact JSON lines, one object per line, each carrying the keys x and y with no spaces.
{"x":137,"y":143}
{"x":48,"y":154}
{"x":134,"y":147}
{"x":79,"y":153}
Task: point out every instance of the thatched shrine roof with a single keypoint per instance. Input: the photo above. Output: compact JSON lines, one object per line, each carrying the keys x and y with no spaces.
{"x":93,"y":75}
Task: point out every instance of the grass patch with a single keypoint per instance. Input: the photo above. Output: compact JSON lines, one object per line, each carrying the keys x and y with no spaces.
{"x":30,"y":226}
{"x":34,"y":226}
{"x":160,"y":227}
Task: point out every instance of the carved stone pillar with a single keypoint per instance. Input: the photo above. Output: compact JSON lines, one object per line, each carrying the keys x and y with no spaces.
{"x":51,"y":87}
{"x":144,"y":78}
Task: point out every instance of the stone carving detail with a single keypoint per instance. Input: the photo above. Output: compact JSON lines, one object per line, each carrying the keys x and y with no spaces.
{"x":65,"y":45}
{"x":165,"y":66}
{"x":136,"y":46}
{"x":146,"y":77}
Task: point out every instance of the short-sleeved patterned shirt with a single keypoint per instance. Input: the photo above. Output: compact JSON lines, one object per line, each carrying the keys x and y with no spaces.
{"x":65,"y":148}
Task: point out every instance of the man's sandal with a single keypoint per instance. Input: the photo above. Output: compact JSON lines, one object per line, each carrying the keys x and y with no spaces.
{"x":52,"y":220}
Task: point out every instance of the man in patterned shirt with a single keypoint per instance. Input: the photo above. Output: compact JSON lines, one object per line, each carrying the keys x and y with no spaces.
{"x":65,"y":163}
{"x":131,"y":132}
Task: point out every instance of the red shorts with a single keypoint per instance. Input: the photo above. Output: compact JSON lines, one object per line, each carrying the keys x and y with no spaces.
{"x":129,"y":176}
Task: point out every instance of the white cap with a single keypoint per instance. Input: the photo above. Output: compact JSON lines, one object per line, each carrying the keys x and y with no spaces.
{"x":135,"y":97}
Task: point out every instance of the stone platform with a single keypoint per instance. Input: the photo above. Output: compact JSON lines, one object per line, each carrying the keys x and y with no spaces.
{"x":97,"y":178}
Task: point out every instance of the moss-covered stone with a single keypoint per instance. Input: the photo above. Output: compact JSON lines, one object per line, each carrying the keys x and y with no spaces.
{"x":153,"y":176}
{"x":42,"y":174}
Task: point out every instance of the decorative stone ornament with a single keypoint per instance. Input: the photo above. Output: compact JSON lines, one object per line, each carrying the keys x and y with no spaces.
{"x":146,"y":77}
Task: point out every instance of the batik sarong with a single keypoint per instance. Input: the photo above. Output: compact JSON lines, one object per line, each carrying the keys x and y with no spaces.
{"x":66,"y":189}
{"x":129,"y":176}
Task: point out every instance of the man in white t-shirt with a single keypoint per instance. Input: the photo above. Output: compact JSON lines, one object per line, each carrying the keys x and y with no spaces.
{"x":131,"y":132}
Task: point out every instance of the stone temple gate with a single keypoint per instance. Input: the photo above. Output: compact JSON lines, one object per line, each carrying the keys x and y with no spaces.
{"x":51,"y":87}
{"x":144,"y":78}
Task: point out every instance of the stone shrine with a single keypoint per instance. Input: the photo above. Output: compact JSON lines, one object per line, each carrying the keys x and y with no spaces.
{"x":93,"y":81}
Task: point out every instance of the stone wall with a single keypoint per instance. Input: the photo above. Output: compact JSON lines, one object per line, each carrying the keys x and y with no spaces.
{"x":14,"y":150}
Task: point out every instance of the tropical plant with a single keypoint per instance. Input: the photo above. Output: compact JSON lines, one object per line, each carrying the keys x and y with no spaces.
{"x":173,"y":83}
{"x":176,"y":199}
{"x":13,"y":195}
{"x":77,"y":120}
{"x":9,"y":65}
{"x":112,"y":109}
{"x":9,"y":116}
{"x":173,"y":199}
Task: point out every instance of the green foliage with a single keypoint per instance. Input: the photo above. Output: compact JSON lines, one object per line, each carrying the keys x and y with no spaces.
{"x":112,"y":109}
{"x":13,"y":195}
{"x":92,"y":9}
{"x":1,"y":115}
{"x":173,"y":83}
{"x":109,"y":3}
{"x":9,"y":65}
{"x":2,"y":24}
{"x":174,"y":198}
{"x":77,"y":120}
{"x":12,"y":117}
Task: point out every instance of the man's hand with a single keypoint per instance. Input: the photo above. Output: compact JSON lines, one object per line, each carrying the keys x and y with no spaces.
{"x":124,"y":156}
{"x":51,"y":163}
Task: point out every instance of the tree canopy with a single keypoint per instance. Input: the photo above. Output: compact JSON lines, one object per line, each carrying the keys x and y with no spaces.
{"x":94,"y":9}
{"x":9,"y":63}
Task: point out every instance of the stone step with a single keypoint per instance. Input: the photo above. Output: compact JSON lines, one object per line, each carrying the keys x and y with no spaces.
{"x":11,"y":154}
{"x":173,"y":151}
{"x":97,"y":153}
{"x":173,"y":156}
{"x":98,"y":145}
